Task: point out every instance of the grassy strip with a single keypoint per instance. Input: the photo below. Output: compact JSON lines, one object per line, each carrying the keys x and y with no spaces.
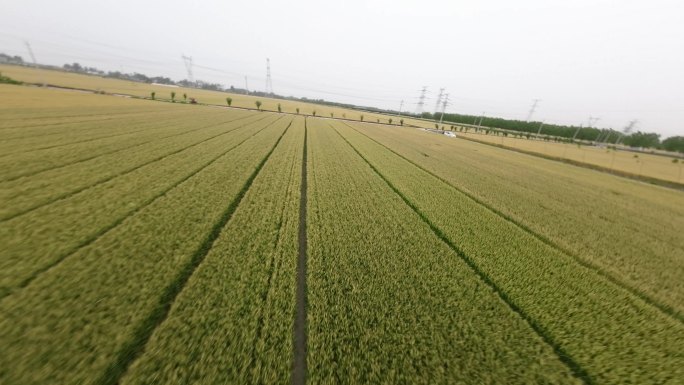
{"x":606,"y":330}
{"x":628,"y":231}
{"x":233,"y":321}
{"x":26,"y":196}
{"x":70,"y":325}
{"x":63,"y":228}
{"x":388,"y":302}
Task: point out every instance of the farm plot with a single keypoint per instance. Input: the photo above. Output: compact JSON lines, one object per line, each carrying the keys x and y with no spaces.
{"x":391,"y":303}
{"x":606,"y":331}
{"x":629,"y":230}
{"x":59,"y":227}
{"x":233,"y":321}
{"x":107,"y":295}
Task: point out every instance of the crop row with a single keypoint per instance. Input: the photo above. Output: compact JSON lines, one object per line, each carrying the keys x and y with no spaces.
{"x":233,"y":321}
{"x":32,"y":162}
{"x":60,"y":228}
{"x":612,"y":335}
{"x":82,"y":320}
{"x":389,"y":302}
{"x":628,"y":229}
{"x":26,"y":194}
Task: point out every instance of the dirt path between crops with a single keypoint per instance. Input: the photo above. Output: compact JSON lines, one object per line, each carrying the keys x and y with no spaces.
{"x":299,"y":362}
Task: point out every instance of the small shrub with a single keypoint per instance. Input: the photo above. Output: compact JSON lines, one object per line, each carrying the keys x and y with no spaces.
{"x":314,"y":113}
{"x":331,"y":114}
{"x":361,"y":118}
{"x":297,"y":110}
{"x":280,"y":109}
{"x":258,"y":104}
{"x":185,"y":97}
{"x":401,"y":122}
{"x":153,"y":94}
{"x":229,"y":101}
{"x":390,"y":120}
{"x":173,"y":97}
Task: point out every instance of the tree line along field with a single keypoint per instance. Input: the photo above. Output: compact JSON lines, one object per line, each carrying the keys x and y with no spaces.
{"x":147,"y":242}
{"x":641,"y":165}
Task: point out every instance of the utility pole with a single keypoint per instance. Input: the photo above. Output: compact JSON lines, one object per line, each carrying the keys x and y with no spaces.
{"x":401,"y":105}
{"x":269,"y":82}
{"x":187,"y":60}
{"x":534,"y":107}
{"x":439,"y":100}
{"x":30,"y":51}
{"x":421,"y":101}
{"x":444,"y":104}
{"x":246,"y":86}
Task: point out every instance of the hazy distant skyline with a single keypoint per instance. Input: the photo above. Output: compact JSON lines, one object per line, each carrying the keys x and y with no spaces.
{"x":617,"y":60}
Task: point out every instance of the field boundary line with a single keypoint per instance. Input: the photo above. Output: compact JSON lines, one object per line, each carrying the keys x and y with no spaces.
{"x":30,"y":174}
{"x":575,"y":368}
{"x":125,"y":216}
{"x":667,"y":310}
{"x":122,"y":173}
{"x":135,"y":347}
{"x":299,"y":366}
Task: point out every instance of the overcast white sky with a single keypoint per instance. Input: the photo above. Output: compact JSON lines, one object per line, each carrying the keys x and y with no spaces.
{"x":617,"y":60}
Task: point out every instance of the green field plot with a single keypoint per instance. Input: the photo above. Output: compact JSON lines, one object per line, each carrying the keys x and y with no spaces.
{"x":563,"y":300}
{"x":168,"y":243}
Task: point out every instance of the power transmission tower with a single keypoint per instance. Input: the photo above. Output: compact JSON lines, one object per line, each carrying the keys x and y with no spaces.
{"x":188,"y":66}
{"x":534,"y":107}
{"x":445,"y":103}
{"x":269,"y":82}
{"x":30,"y":51}
{"x":421,"y":101}
{"x":246,"y":86}
{"x":540,"y":127}
{"x":627,"y":130}
{"x":439,"y":100}
{"x":401,"y":105}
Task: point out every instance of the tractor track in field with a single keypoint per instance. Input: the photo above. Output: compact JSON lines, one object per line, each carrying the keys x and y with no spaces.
{"x":124,"y":172}
{"x":575,"y":368}
{"x":120,"y":220}
{"x":134,"y":348}
{"x":299,"y":367}
{"x":665,"y":309}
{"x":100,"y":154}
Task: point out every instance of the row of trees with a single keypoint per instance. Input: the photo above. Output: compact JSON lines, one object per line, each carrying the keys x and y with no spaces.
{"x":636,"y":139}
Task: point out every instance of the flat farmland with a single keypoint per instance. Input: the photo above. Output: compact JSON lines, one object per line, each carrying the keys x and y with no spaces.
{"x":145,"y":242}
